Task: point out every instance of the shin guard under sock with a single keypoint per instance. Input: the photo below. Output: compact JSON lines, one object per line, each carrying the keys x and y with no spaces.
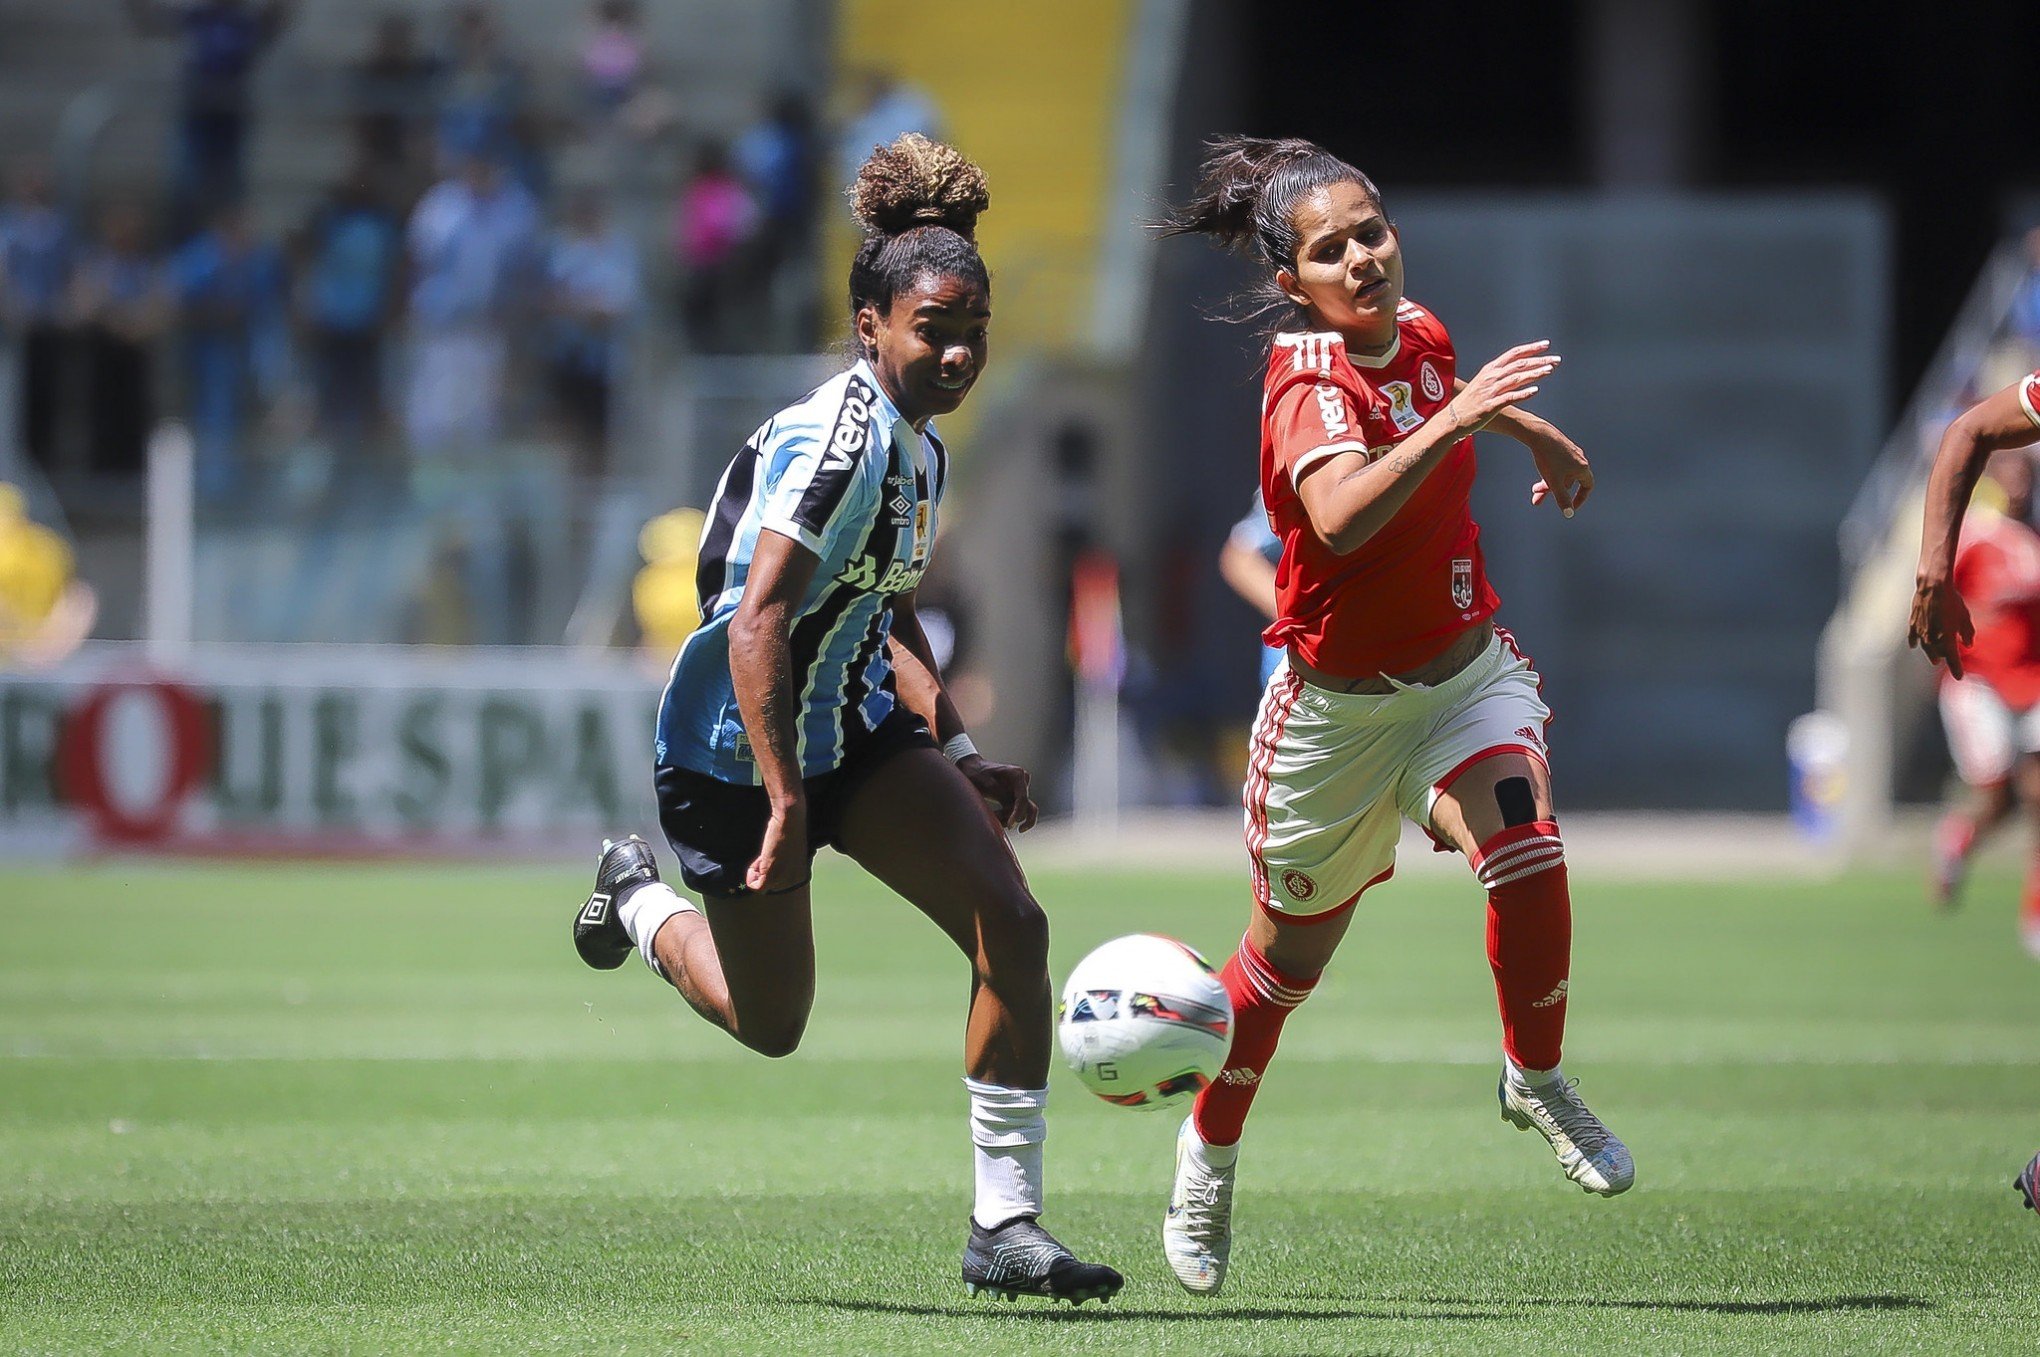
{"x":1529,"y":938}
{"x":1262,"y":998}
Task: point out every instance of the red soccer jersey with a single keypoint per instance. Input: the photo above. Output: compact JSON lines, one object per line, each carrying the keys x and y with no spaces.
{"x":1997,"y":572}
{"x":1401,"y":597}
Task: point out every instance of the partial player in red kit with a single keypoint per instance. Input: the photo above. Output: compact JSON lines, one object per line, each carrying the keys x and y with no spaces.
{"x":1399,"y":698}
{"x":1992,"y":713}
{"x":1977,"y":609}
{"x":1952,"y":622}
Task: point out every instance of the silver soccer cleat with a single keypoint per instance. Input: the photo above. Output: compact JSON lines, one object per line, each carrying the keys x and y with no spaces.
{"x":1197,"y":1233}
{"x":1587,"y":1150}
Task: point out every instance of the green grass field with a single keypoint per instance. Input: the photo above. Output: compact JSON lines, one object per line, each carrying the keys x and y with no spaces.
{"x":316,"y":1108}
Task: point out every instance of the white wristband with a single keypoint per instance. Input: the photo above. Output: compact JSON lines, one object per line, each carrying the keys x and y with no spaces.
{"x":957,"y":748}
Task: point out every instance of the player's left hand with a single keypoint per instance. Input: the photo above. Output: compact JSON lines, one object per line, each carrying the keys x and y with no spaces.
{"x":1940,"y":619}
{"x":1004,"y":788}
{"x":1563,"y":473}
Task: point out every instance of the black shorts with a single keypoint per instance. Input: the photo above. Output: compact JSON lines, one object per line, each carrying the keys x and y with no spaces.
{"x":717,"y":827}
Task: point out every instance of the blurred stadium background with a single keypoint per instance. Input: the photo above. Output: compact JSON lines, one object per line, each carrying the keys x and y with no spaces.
{"x":363,"y":370}
{"x":360,"y":366}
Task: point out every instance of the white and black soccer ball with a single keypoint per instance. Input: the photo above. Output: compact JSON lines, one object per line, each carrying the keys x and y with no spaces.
{"x":1144,"y":1022}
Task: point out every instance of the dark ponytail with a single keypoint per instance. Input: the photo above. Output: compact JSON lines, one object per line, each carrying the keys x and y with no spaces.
{"x":1247,"y":192}
{"x":918,"y":202}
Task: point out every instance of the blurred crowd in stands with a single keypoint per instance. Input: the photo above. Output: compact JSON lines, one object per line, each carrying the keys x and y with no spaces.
{"x":443,"y":267}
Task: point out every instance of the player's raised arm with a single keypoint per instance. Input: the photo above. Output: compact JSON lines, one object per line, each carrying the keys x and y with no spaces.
{"x":2006,"y":420}
{"x":1349,"y":499}
{"x":1562,"y":471}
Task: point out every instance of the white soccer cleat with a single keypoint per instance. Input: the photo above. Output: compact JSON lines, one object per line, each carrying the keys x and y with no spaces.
{"x":1588,"y":1151}
{"x":1197,"y":1233}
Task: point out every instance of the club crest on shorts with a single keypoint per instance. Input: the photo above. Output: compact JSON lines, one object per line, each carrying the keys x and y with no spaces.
{"x":1462,"y":582}
{"x":1427,"y":377}
{"x":1298,"y":884}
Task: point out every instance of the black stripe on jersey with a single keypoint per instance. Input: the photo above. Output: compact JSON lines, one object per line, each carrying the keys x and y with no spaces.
{"x":711,"y":571}
{"x":941,"y":463}
{"x":849,"y":436}
{"x":857,"y":689}
{"x":880,"y":545}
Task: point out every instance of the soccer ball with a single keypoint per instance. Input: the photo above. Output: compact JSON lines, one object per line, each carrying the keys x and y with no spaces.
{"x":1144,"y":1022}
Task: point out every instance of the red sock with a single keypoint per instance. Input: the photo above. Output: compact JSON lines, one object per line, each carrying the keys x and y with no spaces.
{"x":2029,"y":905}
{"x":1955,"y":836}
{"x":1262,"y":998}
{"x":1529,"y":938}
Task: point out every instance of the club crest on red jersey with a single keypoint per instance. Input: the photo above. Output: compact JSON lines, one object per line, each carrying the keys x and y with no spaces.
{"x":1428,"y":379}
{"x":1401,"y":406}
{"x":1462,"y":582}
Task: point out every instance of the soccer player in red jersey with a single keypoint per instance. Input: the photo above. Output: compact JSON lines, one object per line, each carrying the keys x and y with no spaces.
{"x":1992,"y":713}
{"x":1399,"y":696}
{"x":1977,"y":610}
{"x":1942,"y":624}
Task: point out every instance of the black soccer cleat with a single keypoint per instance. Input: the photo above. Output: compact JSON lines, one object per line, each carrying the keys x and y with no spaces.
{"x":2028,"y":1183}
{"x":599,"y":934}
{"x":1022,"y":1259}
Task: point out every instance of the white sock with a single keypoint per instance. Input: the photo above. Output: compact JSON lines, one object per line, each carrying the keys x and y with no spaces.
{"x":1213,"y":1156}
{"x":645,"y":910}
{"x":1528,"y":1078}
{"x":1007,"y":1126}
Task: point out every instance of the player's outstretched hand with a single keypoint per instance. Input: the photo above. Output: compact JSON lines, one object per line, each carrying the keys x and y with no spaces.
{"x":1509,"y":380}
{"x":782,"y":861}
{"x":1004,"y":788}
{"x":1939,"y":619}
{"x":1563,"y":473}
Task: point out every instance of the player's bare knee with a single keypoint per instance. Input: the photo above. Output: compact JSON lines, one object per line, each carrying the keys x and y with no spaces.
{"x":775,"y":1040}
{"x":1013,"y":935}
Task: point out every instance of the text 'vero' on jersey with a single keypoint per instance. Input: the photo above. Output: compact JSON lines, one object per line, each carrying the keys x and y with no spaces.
{"x":1399,"y":598}
{"x":844,"y":475}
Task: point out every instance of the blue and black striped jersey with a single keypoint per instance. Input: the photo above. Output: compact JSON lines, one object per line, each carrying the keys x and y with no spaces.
{"x":844,"y":475}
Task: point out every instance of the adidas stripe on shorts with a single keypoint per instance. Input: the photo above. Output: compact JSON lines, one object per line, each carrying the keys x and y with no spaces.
{"x":1331,"y":775}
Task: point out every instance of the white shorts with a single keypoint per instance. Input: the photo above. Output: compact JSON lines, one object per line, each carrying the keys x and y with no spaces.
{"x":1331,"y":775}
{"x":1984,"y":734}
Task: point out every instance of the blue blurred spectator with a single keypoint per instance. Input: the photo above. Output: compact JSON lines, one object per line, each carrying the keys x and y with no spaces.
{"x":37,"y":252}
{"x":232,"y":299}
{"x":347,"y":296}
{"x":713,"y":223}
{"x":2024,"y":319}
{"x":484,"y":100}
{"x":777,"y":156}
{"x":473,"y":242}
{"x":474,"y":251}
{"x":121,"y":304}
{"x":886,"y":108}
{"x":593,"y":289}
{"x":1248,"y":561}
{"x":393,"y":93}
{"x":223,"y":40}
{"x":613,"y":57}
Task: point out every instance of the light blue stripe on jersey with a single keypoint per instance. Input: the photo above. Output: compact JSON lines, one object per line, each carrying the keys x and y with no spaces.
{"x":841,"y":473}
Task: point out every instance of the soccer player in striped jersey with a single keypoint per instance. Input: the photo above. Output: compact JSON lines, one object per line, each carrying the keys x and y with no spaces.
{"x":1398,"y":697}
{"x":808,"y":709}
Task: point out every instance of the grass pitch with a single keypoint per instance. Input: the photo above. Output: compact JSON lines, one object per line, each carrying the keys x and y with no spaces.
{"x":375,"y":1110}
